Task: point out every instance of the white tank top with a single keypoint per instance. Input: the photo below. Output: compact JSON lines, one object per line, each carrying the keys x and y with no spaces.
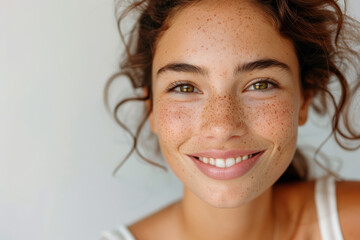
{"x":325,"y":200}
{"x":120,"y":233}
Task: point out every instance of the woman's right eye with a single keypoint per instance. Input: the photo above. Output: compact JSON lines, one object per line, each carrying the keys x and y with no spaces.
{"x":184,"y":88}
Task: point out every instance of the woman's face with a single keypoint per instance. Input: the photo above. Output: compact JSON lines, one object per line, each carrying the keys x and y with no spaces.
{"x":226,"y":101}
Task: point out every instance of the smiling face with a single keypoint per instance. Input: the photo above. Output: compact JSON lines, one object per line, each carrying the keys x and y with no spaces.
{"x":226,"y":89}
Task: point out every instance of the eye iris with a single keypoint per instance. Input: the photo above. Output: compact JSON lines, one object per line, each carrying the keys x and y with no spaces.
{"x":186,"y":88}
{"x":261,"y":85}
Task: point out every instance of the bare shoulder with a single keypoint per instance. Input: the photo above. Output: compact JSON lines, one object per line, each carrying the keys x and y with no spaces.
{"x":348,"y":203}
{"x":299,"y":199}
{"x":157,"y":225}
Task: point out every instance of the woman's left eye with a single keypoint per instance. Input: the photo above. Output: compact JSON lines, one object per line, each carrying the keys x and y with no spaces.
{"x":262,"y":85}
{"x":185,"y":88}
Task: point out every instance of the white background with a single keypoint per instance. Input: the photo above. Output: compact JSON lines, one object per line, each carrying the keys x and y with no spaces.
{"x":58,"y":145}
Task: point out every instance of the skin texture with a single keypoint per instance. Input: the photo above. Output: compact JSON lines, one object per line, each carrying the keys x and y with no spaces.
{"x":223,"y":111}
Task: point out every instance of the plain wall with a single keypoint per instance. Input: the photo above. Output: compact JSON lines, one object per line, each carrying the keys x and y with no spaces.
{"x":58,"y":145}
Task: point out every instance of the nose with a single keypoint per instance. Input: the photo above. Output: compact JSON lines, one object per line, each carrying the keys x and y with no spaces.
{"x":223,"y":118}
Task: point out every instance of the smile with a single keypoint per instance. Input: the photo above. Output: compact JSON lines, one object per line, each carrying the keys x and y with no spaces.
{"x":226,"y":167}
{"x":225,"y":163}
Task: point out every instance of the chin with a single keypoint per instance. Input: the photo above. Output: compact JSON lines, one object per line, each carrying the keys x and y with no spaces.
{"x":231,"y":196}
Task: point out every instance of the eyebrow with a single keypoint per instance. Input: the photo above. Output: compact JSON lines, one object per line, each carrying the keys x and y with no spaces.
{"x":182,"y":67}
{"x":261,"y":64}
{"x":246,"y":67}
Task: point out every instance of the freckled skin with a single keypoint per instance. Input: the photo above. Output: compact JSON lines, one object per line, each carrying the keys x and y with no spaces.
{"x":226,"y":115}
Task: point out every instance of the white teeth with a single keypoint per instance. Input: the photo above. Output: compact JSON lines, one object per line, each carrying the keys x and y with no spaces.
{"x":224,"y":163}
{"x":220,"y":163}
{"x":229,"y":162}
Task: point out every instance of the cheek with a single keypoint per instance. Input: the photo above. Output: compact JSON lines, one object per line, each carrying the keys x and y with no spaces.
{"x":173,"y":121}
{"x":274,"y":120}
{"x":175,"y":126}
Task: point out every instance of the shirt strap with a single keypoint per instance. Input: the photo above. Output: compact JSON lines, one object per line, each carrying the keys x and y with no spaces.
{"x":325,"y":200}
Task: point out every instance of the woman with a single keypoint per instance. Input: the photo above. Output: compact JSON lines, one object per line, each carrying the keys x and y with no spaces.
{"x":227,"y":83}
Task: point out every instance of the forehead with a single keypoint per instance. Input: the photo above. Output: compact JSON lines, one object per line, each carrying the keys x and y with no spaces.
{"x":221,"y":32}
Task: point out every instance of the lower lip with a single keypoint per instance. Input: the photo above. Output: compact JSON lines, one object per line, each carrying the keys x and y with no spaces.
{"x":235,"y":171}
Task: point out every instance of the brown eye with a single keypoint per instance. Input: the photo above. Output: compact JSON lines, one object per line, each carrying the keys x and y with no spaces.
{"x":186,"y":88}
{"x":262,"y":85}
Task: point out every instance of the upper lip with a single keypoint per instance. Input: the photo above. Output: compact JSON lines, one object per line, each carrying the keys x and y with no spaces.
{"x":224,"y":154}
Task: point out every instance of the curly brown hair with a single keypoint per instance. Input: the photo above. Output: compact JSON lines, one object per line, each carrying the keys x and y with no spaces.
{"x":326,"y":41}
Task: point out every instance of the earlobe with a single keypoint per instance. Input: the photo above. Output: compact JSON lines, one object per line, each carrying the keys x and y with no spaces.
{"x":306,"y":100}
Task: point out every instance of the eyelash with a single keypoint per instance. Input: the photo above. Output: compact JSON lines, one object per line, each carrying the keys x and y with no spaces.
{"x":268,"y":81}
{"x":177,"y":84}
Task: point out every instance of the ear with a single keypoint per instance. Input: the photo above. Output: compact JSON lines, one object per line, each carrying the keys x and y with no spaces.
{"x":152,"y":122}
{"x":306,"y":99}
{"x":149,"y":107}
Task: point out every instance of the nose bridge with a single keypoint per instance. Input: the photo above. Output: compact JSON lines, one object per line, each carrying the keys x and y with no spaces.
{"x":223,"y":117}
{"x":222,"y":106}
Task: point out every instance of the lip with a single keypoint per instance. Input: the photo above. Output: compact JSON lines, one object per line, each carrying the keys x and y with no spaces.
{"x":235,"y":171}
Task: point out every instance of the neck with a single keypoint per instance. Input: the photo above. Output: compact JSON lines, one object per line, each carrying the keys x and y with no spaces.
{"x":253,"y":220}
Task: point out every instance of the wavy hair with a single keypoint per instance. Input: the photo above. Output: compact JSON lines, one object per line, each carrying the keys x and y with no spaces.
{"x":326,"y":41}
